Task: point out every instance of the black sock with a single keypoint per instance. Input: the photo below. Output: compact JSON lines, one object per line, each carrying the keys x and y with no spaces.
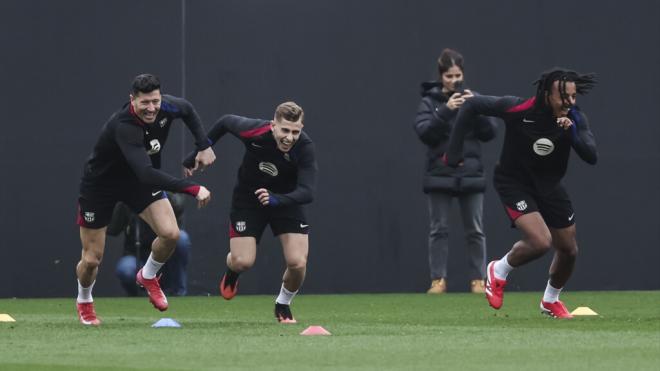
{"x":231,"y":277}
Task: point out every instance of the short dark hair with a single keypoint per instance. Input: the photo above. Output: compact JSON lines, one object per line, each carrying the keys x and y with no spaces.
{"x":289,"y":111}
{"x":583,"y":83}
{"x":145,"y":83}
{"x":448,"y":59}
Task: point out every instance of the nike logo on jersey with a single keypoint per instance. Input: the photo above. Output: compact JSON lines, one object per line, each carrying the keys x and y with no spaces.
{"x":255,"y":145}
{"x":304,"y":225}
{"x":155,"y":193}
{"x":528,"y":121}
{"x":570,"y":218}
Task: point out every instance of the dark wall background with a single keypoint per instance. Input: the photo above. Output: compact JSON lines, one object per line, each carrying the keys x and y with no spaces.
{"x":355,"y":67}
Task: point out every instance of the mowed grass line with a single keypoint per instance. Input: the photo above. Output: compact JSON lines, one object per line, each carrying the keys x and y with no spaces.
{"x":380,"y":331}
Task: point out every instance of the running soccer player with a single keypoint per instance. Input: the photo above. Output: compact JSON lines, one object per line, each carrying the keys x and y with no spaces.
{"x":277,"y":176}
{"x":540,"y":133}
{"x":124,"y":166}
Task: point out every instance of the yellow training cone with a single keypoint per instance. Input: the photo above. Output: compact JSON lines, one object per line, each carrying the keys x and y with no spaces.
{"x":6,"y":318}
{"x":583,"y":311}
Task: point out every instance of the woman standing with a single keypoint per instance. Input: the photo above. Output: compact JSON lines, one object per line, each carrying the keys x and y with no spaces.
{"x":436,"y":114}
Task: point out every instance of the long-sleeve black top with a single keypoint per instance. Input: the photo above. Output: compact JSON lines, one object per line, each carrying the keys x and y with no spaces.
{"x":535,"y":150}
{"x":289,"y":177}
{"x":128,"y":150}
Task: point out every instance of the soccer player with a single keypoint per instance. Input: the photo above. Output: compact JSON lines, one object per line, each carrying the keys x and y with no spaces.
{"x":540,"y":133}
{"x":124,"y":166}
{"x":277,"y":176}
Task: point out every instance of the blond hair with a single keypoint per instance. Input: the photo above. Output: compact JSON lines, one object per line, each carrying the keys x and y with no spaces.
{"x":289,"y":111}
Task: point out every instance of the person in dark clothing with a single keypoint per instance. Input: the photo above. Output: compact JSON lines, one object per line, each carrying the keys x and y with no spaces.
{"x":124,"y":166}
{"x":276,"y":177}
{"x":434,"y":122}
{"x":137,"y":246}
{"x":540,"y":132}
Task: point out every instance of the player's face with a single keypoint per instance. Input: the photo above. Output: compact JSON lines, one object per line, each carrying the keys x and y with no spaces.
{"x":286,"y":133}
{"x":561,"y":106}
{"x":146,"y":105}
{"x":450,"y":77}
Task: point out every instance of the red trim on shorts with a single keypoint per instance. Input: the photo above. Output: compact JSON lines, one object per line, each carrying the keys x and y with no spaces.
{"x":513,"y":214}
{"x":524,"y":106}
{"x":79,"y":219}
{"x":192,"y":190}
{"x":232,"y":231}
{"x":255,"y":132}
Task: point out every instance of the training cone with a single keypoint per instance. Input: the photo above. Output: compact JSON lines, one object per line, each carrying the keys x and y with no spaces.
{"x":315,"y":330}
{"x":166,"y":322}
{"x":6,"y":318}
{"x":583,"y":311}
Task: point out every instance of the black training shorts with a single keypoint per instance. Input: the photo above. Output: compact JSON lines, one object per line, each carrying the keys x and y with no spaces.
{"x":249,"y":222}
{"x":554,"y":205}
{"x":96,"y":203}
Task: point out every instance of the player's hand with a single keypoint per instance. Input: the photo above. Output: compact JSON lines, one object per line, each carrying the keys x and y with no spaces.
{"x":467,"y":93}
{"x":564,"y":123}
{"x":204,"y":159}
{"x":187,"y":173}
{"x":263,"y":195}
{"x":455,"y":101}
{"x":203,"y":197}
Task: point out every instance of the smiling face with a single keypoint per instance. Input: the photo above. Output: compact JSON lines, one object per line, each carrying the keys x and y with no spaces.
{"x":562,"y":103}
{"x":286,"y":133}
{"x":146,"y":105}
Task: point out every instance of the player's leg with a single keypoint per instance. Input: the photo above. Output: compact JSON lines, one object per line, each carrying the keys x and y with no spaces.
{"x":291,"y":227}
{"x":559,"y":214}
{"x":472,"y":212}
{"x":439,"y":208}
{"x":566,"y":249}
{"x":295,"y":247}
{"x":93,"y":245}
{"x":94,"y":214}
{"x":160,"y":217}
{"x":565,"y":244}
{"x":245,"y":230}
{"x":241,"y":257}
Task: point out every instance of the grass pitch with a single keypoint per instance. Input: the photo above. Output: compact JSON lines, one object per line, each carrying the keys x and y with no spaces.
{"x":385,"y":331}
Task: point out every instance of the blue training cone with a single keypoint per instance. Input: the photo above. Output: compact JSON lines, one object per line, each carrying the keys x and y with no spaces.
{"x":166,"y":322}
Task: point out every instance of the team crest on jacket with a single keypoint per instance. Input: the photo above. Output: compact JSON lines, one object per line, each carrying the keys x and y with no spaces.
{"x":155,"y":147}
{"x":543,"y":147}
{"x":268,"y":168}
{"x":240,"y":226}
{"x":89,"y":216}
{"x":521,"y":205}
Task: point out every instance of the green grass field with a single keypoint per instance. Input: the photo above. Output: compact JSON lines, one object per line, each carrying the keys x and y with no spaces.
{"x":385,"y":331}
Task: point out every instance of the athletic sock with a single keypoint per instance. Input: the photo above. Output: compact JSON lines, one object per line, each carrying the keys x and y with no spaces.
{"x":85,"y":293}
{"x":285,"y":296}
{"x":231,"y":277}
{"x":502,"y":268}
{"x":551,"y":294}
{"x":151,"y":268}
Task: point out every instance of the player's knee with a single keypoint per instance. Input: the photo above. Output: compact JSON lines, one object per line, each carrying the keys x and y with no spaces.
{"x":171,"y":234}
{"x":91,"y":261}
{"x":297,"y":263}
{"x":542,"y":243}
{"x":570,"y":250}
